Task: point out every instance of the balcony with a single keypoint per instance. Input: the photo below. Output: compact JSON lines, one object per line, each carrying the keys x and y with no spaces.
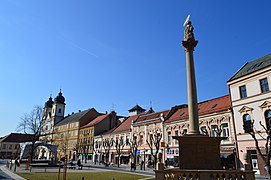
{"x":180,"y":174}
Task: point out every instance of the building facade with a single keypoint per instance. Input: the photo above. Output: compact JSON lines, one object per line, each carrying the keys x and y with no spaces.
{"x":66,"y":132}
{"x":10,"y":145}
{"x":97,"y":126}
{"x":215,"y":120}
{"x":251,"y":101}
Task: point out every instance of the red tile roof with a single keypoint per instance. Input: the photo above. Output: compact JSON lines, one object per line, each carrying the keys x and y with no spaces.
{"x":95,"y":121}
{"x":207,"y":107}
{"x":17,"y":137}
{"x":126,"y":125}
{"x":151,"y":116}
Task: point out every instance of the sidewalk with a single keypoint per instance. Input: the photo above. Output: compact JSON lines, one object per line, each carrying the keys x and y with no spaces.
{"x":89,"y":167}
{"x":123,"y":168}
{"x":10,"y":173}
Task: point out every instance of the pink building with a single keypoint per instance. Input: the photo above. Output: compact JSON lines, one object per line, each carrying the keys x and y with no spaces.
{"x":215,"y":118}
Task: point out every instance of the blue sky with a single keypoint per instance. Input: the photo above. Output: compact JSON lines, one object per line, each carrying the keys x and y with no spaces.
{"x":121,"y":52}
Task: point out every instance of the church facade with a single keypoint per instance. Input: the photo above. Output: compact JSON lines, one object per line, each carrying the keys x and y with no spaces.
{"x":53,"y":112}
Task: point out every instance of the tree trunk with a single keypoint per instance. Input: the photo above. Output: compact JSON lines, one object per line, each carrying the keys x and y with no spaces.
{"x":155,"y":162}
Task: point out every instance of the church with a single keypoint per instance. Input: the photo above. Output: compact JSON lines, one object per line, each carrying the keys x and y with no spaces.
{"x":53,"y":113}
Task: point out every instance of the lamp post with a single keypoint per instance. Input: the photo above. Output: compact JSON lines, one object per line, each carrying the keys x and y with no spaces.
{"x":167,"y":148}
{"x":144,"y":158}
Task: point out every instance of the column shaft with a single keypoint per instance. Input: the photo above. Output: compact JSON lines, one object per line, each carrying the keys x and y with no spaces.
{"x":192,"y":94}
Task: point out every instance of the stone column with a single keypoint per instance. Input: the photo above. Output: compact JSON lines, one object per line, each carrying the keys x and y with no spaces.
{"x":189,"y":44}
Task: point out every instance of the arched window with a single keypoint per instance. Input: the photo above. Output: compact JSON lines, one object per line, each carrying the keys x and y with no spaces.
{"x":267,"y":116}
{"x":247,"y":123}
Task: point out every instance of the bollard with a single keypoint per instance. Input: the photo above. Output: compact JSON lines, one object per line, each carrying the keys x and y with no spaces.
{"x":83,"y":178}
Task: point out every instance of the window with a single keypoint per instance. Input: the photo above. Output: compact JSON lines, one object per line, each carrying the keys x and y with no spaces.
{"x":121,"y":140}
{"x":59,"y":110}
{"x":214,"y":130}
{"x":264,"y":85}
{"x":151,"y":138}
{"x":71,"y":125}
{"x":127,"y":140}
{"x":4,"y":146}
{"x":225,"y":130}
{"x":176,"y":134}
{"x":141,"y":139}
{"x":247,"y":123}
{"x":253,"y":158}
{"x":184,"y":131}
{"x":10,"y":146}
{"x":169,"y":137}
{"x":214,"y":105}
{"x":267,"y":116}
{"x":203,"y":130}
{"x":243,"y":92}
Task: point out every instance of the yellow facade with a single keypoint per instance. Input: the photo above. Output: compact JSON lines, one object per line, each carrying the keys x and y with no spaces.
{"x":86,"y":136}
{"x":66,"y":137}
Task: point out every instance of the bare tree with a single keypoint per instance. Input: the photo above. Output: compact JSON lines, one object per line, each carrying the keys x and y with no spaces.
{"x":154,"y":144}
{"x":97,"y":150}
{"x":134,"y":143}
{"x":31,"y":124}
{"x":217,"y":129}
{"x":107,"y":144}
{"x":84,"y":148}
{"x":61,"y":139}
{"x":265,"y":152}
{"x":119,"y":145}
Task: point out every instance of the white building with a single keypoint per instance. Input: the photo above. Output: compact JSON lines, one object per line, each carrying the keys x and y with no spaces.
{"x":251,"y":101}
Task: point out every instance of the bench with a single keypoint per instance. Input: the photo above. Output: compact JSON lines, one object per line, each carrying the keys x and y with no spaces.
{"x":71,"y":167}
{"x":87,"y":166}
{"x":44,"y":165}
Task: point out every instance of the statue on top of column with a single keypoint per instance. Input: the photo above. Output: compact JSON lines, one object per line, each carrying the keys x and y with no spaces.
{"x":188,"y":32}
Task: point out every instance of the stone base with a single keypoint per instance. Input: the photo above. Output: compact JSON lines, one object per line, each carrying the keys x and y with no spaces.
{"x":199,"y":152}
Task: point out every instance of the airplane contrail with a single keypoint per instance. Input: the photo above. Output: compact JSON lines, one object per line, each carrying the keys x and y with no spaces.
{"x":83,"y":49}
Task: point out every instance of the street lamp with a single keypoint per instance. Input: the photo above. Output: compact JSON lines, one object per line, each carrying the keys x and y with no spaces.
{"x":144,"y":158}
{"x":166,"y":148}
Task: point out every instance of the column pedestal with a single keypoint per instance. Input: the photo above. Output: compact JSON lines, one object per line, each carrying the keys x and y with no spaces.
{"x":199,"y":152}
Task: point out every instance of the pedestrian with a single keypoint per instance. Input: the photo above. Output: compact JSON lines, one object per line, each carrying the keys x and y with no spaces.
{"x":79,"y":164}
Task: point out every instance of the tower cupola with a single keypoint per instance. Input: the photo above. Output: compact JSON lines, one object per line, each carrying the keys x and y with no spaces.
{"x":49,"y":103}
{"x":58,"y":109}
{"x":59,"y":98}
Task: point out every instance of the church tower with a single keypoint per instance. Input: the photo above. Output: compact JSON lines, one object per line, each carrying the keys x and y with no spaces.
{"x":47,"y":110}
{"x":58,"y":107}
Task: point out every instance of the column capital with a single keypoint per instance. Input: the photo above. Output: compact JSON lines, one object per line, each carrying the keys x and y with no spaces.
{"x":189,"y":45}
